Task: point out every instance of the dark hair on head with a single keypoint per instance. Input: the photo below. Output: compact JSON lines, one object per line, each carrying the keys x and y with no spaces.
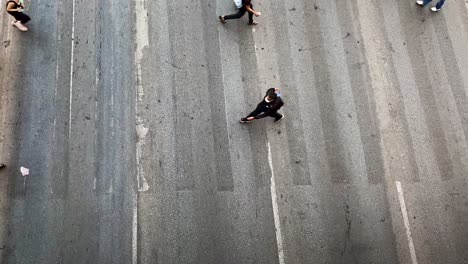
{"x":271,"y":93}
{"x":270,"y":90}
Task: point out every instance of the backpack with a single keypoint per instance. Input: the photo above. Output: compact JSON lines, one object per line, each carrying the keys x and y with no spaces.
{"x":238,"y":3}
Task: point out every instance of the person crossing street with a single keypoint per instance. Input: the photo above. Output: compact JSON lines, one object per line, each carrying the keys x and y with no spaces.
{"x":269,"y":106}
{"x":434,"y":8}
{"x":15,"y":8}
{"x":246,"y":7}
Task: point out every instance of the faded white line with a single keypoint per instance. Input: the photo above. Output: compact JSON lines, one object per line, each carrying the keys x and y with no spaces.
{"x":55,"y":91}
{"x":225,"y":103}
{"x":143,"y":185}
{"x":4,"y":112}
{"x":112,"y":121}
{"x":274,"y":202}
{"x":142,"y":41}
{"x":135,"y":229}
{"x":96,"y":85}
{"x":406,"y":222}
{"x":466,"y":4}
{"x":71,"y":66}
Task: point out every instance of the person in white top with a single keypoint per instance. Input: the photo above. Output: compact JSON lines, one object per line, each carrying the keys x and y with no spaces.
{"x":246,"y":7}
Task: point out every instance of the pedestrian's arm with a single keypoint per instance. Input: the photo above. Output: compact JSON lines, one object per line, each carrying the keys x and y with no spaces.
{"x":251,"y":10}
{"x":10,"y":7}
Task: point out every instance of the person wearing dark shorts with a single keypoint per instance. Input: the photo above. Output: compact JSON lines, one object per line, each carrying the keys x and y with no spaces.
{"x":269,"y":106}
{"x":15,"y":8}
{"x":246,"y":7}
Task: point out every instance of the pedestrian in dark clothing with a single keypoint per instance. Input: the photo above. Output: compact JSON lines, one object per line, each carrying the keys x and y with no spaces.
{"x":246,"y":7}
{"x":15,"y":8}
{"x":270,"y":105}
{"x":434,"y":8}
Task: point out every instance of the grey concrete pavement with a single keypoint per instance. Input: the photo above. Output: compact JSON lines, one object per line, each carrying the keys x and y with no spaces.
{"x":126,"y":113}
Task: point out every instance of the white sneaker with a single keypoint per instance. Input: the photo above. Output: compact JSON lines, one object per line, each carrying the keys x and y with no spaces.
{"x":420,"y":2}
{"x":19,"y":25}
{"x":434,"y":9}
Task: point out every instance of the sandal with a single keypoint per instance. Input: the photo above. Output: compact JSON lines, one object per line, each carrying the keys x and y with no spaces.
{"x":221,"y":18}
{"x":253,"y":23}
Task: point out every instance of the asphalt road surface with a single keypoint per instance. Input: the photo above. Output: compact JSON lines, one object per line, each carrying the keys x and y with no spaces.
{"x":126,"y":113}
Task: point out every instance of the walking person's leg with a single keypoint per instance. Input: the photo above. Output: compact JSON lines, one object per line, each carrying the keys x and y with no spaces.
{"x":24,"y":18}
{"x":260,"y":109}
{"x":237,"y":15}
{"x":277,"y":116}
{"x":257,"y":111}
{"x":427,"y":2}
{"x":19,"y":17}
{"x":251,"y":20}
{"x":440,"y":4}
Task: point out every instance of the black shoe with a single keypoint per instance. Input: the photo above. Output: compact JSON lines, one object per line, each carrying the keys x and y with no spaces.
{"x":278,"y":119}
{"x":221,"y":18}
{"x":244,"y":120}
{"x":2,"y":165}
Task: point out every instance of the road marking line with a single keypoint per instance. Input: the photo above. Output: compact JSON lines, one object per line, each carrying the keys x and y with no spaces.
{"x":226,"y":113}
{"x":143,"y":185}
{"x":274,"y":202}
{"x":55,"y":91}
{"x":135,"y":230}
{"x":96,"y":106}
{"x":466,"y":4}
{"x":71,"y":66}
{"x":142,"y":42}
{"x":406,"y":221}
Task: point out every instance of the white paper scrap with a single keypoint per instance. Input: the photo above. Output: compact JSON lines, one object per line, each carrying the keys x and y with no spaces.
{"x":24,"y":171}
